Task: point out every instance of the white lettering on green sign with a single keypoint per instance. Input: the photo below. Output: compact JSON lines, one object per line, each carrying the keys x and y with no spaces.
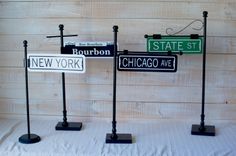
{"x":185,"y":45}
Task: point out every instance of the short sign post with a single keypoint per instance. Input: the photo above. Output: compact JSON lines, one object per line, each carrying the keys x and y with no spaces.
{"x":187,"y":44}
{"x":147,"y":63}
{"x":28,"y":138}
{"x":56,"y":63}
{"x":65,"y":125}
{"x":90,"y":49}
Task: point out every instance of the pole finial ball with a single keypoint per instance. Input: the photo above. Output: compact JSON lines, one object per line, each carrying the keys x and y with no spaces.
{"x":25,"y":43}
{"x":61,"y":26}
{"x":205,"y":13}
{"x":115,"y":28}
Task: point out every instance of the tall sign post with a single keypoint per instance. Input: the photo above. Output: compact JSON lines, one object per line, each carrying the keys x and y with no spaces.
{"x":192,"y":44}
{"x":75,"y":126}
{"x":27,"y":138}
{"x":202,"y":129}
{"x":138,"y":62}
{"x":114,"y":137}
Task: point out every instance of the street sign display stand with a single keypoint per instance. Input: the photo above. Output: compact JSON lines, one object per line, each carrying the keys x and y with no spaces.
{"x":191,"y":44}
{"x":28,"y":138}
{"x":65,"y":125}
{"x":114,"y":137}
{"x":202,"y":129}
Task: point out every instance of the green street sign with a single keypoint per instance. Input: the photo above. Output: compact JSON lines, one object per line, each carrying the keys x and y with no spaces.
{"x":184,"y":44}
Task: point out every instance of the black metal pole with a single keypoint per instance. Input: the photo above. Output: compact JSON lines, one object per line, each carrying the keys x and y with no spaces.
{"x":202,"y":124}
{"x":65,"y":123}
{"x":202,"y":129}
{"x":114,"y":135}
{"x":27,"y":138}
{"x":27,"y":88}
{"x":73,"y":126}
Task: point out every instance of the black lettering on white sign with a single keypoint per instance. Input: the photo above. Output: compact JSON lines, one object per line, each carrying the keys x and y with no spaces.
{"x":56,"y":63}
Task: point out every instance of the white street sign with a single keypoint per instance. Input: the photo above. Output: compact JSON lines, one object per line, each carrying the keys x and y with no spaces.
{"x":56,"y":63}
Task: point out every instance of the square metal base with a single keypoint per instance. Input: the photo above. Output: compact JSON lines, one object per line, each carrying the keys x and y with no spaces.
{"x":209,"y":130}
{"x":72,"y":126}
{"x":121,"y":139}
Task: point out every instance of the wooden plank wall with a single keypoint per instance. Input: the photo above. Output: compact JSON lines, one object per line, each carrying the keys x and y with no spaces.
{"x":139,"y":95}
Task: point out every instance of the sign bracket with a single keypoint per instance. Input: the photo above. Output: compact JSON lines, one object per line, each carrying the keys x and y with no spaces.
{"x":159,"y":36}
{"x":57,"y":36}
{"x":73,"y":126}
{"x":194,"y":36}
{"x":154,"y":36}
{"x":126,"y":52}
{"x":168,"y":30}
{"x":26,"y":61}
